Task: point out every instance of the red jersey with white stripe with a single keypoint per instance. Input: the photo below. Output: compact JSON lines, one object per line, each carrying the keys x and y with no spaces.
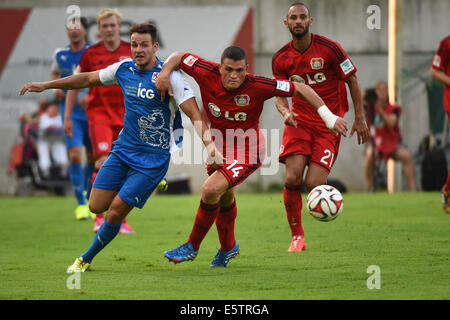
{"x":105,"y":103}
{"x":238,"y":110}
{"x":441,"y":62}
{"x":324,"y":66}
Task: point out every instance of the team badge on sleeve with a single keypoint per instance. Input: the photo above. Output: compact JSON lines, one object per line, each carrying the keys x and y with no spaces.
{"x":347,"y":66}
{"x":283,"y":86}
{"x":437,"y":61}
{"x":190,"y":60}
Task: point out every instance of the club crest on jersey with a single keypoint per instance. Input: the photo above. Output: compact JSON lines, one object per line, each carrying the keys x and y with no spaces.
{"x":190,"y":60}
{"x":316,"y":63}
{"x":242,"y":100}
{"x":155,"y":76}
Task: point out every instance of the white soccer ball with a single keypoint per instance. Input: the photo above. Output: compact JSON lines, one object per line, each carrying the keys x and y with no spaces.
{"x":325,"y":203}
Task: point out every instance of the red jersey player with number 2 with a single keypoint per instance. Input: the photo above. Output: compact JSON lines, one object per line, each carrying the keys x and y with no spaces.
{"x":233,"y":101}
{"x":321,"y":63}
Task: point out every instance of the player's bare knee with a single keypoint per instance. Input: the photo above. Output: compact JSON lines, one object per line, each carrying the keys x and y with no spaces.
{"x":95,"y":208}
{"x":293,"y":179}
{"x":210,"y":193}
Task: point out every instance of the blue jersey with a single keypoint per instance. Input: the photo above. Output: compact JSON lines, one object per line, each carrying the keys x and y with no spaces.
{"x":65,"y":61}
{"x":148,"y":121}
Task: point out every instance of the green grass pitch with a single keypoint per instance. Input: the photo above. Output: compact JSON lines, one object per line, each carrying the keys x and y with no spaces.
{"x":406,"y":235}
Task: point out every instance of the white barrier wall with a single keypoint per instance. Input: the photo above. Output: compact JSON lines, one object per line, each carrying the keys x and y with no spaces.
{"x":424,"y":24}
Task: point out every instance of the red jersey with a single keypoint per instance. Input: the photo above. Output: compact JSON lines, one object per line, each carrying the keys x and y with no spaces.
{"x":105,"y":103}
{"x":239,"y":109}
{"x":385,"y":139}
{"x":441,"y":62}
{"x":323,"y":66}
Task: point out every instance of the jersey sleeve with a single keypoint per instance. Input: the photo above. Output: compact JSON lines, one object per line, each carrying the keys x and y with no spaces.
{"x":180,"y":88}
{"x":277,"y":71}
{"x":441,"y":58}
{"x":197,"y":67}
{"x":55,"y":65}
{"x":344,"y":65}
{"x":108,"y":74}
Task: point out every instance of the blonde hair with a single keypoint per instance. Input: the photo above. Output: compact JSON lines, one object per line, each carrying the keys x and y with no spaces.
{"x":106,"y":13}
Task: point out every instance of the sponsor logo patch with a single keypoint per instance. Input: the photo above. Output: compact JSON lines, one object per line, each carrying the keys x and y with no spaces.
{"x":190,"y":60}
{"x":347,"y":66}
{"x":283,"y":86}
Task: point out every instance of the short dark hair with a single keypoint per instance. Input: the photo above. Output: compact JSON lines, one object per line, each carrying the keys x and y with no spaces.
{"x":234,"y":53}
{"x":82,"y":20}
{"x":301,"y":4}
{"x":145,"y":27}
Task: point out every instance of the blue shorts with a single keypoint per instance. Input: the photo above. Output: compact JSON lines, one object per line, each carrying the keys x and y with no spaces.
{"x":134,"y":186}
{"x":80,"y":135}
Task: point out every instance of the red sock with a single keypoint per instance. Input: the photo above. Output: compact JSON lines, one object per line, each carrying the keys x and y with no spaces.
{"x":225,"y":226}
{"x":293,"y":203}
{"x":447,"y":183}
{"x":206,"y":214}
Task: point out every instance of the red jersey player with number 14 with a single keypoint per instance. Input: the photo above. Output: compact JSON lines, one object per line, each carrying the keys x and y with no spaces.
{"x":322,"y":64}
{"x":233,"y":100}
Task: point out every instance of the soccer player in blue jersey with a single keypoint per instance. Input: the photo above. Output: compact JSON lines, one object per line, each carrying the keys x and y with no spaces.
{"x":140,"y":157}
{"x":65,"y":61}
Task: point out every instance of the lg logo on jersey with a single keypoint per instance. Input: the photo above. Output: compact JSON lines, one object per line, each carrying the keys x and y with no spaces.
{"x":311,"y":78}
{"x":216,"y":112}
{"x":145,"y":93}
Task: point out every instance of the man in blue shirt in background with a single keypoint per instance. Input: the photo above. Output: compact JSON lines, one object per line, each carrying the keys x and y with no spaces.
{"x":65,"y":61}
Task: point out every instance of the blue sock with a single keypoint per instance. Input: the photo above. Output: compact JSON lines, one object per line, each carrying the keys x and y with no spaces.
{"x":88,"y":178}
{"x":104,"y":235}
{"x":76,"y":175}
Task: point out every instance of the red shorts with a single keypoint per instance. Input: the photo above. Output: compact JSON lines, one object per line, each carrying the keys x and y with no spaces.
{"x":235,"y":172}
{"x":320,"y":144}
{"x":102,"y":136}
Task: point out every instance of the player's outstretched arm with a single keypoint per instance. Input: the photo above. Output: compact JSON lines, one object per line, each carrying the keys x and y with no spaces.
{"x":440,"y":76}
{"x":162,"y":83}
{"x":282,"y":105}
{"x":76,"y":81}
{"x":332,"y":121}
{"x":360,"y":125}
{"x":190,"y":108}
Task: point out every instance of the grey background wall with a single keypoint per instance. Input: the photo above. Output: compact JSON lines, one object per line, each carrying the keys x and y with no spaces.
{"x":423,"y":24}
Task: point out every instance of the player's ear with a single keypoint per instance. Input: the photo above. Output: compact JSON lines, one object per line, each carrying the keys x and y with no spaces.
{"x":285,"y":23}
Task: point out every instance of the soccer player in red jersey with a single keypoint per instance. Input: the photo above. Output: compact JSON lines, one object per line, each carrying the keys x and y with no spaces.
{"x":233,"y":100}
{"x":440,"y":70}
{"x":105,"y":107}
{"x":321,"y":63}
{"x":383,"y":118}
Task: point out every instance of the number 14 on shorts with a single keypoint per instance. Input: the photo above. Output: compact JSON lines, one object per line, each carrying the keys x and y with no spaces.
{"x":234,"y":169}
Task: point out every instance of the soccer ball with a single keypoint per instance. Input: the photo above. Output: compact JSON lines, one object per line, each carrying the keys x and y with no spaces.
{"x":325,"y":203}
